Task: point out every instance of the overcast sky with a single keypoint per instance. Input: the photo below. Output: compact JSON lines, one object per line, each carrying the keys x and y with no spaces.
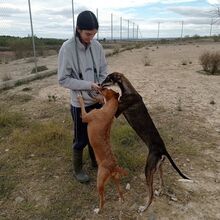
{"x":53,"y":18}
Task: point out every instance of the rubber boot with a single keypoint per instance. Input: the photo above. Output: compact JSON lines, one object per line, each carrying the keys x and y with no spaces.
{"x":92,"y":156}
{"x":80,"y":175}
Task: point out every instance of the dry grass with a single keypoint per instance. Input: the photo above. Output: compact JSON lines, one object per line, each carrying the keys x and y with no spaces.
{"x":6,"y":77}
{"x":36,"y":169}
{"x":210,"y":62}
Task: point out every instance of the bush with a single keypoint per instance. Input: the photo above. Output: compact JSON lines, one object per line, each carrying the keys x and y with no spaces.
{"x":210,"y":62}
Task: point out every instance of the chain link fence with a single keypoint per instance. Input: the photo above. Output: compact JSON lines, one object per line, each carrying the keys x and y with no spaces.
{"x":41,"y":35}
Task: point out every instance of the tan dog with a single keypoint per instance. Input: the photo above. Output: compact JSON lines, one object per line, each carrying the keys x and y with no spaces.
{"x":99,"y":126}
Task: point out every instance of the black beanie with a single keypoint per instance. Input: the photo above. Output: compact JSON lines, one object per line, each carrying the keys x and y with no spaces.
{"x":86,"y":20}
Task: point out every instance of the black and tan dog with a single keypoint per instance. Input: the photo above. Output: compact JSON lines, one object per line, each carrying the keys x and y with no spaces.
{"x":136,"y":113}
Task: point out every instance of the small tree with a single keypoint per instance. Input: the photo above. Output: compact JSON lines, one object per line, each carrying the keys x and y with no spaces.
{"x":215,"y":13}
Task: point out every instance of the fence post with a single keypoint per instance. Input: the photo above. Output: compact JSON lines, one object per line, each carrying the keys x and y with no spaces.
{"x":181,"y":36}
{"x":111,"y":26}
{"x":73,"y":18}
{"x":133,"y":30}
{"x":120,"y":28}
{"x":97,"y":15}
{"x":158,"y":32}
{"x":128,"y":29}
{"x":32,"y":33}
{"x":210,"y":32}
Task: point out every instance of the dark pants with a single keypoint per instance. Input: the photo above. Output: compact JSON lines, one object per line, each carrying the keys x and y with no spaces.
{"x":80,"y":128}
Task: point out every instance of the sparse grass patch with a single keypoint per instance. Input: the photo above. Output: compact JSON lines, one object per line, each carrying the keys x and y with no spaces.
{"x":125,"y":142}
{"x":52,"y":98}
{"x":39,"y":69}
{"x":6,"y":77}
{"x":7,"y":185}
{"x":21,"y":98}
{"x":9,"y":120}
{"x":116,"y":50}
{"x":26,"y":89}
{"x":31,"y":60}
{"x":147,"y":61}
{"x":42,"y":139}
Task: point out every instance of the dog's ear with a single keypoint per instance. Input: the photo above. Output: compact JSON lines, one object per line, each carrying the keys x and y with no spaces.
{"x":118,"y":77}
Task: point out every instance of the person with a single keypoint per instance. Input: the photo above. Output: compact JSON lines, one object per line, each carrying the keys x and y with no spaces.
{"x":82,"y":67}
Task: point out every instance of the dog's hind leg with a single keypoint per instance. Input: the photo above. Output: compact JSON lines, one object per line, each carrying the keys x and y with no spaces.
{"x":102,"y":178}
{"x":153,"y":164}
{"x":160,"y":169}
{"x":116,"y":179}
{"x":149,"y":173}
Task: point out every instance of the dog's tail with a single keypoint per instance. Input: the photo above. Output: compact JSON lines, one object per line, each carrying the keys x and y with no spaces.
{"x":175,"y":166}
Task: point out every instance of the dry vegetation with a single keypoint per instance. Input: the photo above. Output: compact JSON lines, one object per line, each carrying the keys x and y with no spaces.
{"x":210,"y":62}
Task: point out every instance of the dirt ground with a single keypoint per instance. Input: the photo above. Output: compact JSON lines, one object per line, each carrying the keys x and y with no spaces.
{"x":178,"y":94}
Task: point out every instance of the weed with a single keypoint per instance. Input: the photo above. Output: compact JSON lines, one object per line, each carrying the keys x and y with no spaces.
{"x":147,"y":61}
{"x":21,"y":98}
{"x":210,"y":62}
{"x":39,"y":69}
{"x":179,"y":105}
{"x":31,"y":60}
{"x":9,"y":121}
{"x":52,"y":98}
{"x":184,"y":62}
{"x":26,"y":89}
{"x":116,"y":50}
{"x":6,"y":77}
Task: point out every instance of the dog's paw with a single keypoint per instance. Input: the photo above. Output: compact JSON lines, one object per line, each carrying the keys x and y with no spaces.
{"x":80,"y":99}
{"x":96,"y":211}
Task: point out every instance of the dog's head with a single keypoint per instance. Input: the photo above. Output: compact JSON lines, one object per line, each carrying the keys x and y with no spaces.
{"x":112,"y":79}
{"x":109,"y":94}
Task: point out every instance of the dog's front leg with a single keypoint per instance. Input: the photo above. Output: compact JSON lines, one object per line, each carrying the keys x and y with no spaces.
{"x":83,"y":110}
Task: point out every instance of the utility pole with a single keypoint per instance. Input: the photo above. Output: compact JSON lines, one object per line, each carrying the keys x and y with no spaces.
{"x":111,"y":26}
{"x":210,"y":32}
{"x":158,"y":32}
{"x":128,"y":29}
{"x":97,"y":15}
{"x":32,"y":33}
{"x":120,"y":28}
{"x":73,"y":18}
{"x":181,"y":36}
{"x":133,"y":30}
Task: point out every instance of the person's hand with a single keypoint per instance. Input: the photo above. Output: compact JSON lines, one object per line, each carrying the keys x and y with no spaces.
{"x":100,"y":99}
{"x":95,"y":87}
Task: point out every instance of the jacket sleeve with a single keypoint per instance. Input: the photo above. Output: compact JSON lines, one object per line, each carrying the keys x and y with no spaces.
{"x":67,"y":74}
{"x":103,"y":66}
